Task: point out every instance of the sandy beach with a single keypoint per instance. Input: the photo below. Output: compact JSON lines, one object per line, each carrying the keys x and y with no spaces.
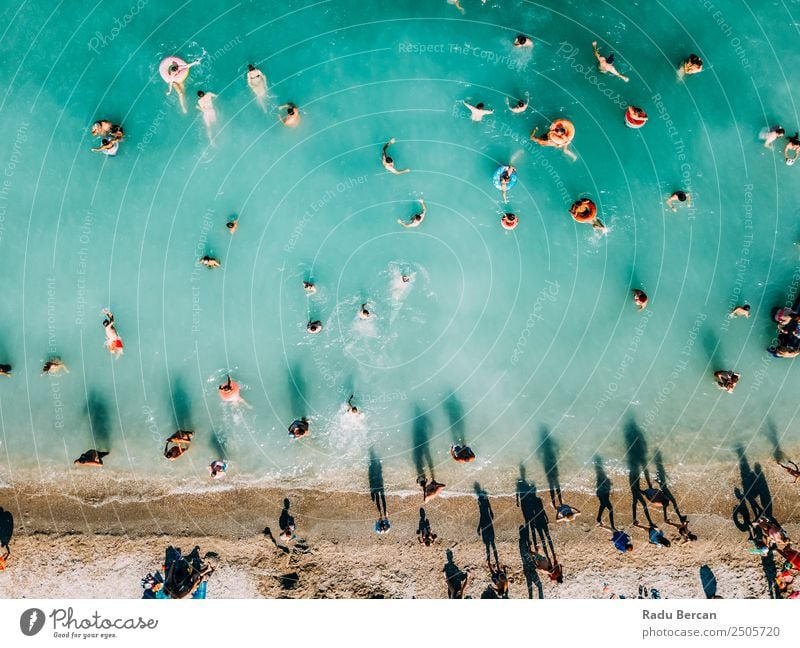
{"x":68,"y":543}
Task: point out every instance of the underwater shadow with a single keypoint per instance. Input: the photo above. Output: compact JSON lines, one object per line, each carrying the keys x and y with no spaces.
{"x":99,"y":421}
{"x":296,"y":384}
{"x":712,"y":347}
{"x":548,"y":453}
{"x":455,"y":414}
{"x":420,"y":444}
{"x":771,"y":433}
{"x":181,"y":406}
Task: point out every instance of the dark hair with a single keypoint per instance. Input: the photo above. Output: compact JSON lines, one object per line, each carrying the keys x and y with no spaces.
{"x":779,"y":130}
{"x":610,"y":59}
{"x":250,"y":67}
{"x":521,"y":38}
{"x":520,"y":103}
{"x":230,"y":224}
{"x":696,"y":60}
{"x":200,"y":93}
{"x":389,"y":160}
{"x":479,"y":106}
{"x":290,"y":110}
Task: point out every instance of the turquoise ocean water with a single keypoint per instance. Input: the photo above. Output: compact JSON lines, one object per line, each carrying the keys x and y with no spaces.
{"x":499,"y":336}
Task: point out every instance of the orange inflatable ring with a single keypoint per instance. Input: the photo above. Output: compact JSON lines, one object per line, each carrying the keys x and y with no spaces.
{"x":635,"y":117}
{"x":561,"y":132}
{"x":583,"y":210}
{"x":230,"y":395}
{"x":509,"y":221}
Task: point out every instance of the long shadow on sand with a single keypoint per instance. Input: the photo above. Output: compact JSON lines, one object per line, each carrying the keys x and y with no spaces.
{"x":528,"y":566}
{"x":486,"y":523}
{"x":99,"y":421}
{"x":456,"y":579}
{"x":6,"y":527}
{"x":603,"y":491}
{"x":376,"y":488}
{"x":535,"y":517}
{"x":661,"y":478}
{"x":636,"y":458}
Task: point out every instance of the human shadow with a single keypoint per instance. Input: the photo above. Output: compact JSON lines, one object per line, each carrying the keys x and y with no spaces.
{"x":661,"y":478}
{"x":420,"y":445}
{"x":181,"y":406}
{"x":376,"y":488}
{"x":771,"y":432}
{"x":455,"y":414}
{"x":603,"y":491}
{"x":456,"y":579}
{"x":486,"y":524}
{"x":218,"y":445}
{"x":99,"y":421}
{"x":525,"y":496}
{"x":548,"y":453}
{"x":712,"y":348}
{"x":297,"y":387}
{"x":708,"y":582}
{"x":6,"y":528}
{"x":528,"y":565}
{"x":286,"y":520}
{"x":636,"y":459}
{"x":754,"y":486}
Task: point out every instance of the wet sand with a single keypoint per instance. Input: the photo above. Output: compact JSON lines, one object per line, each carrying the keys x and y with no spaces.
{"x":70,"y":542}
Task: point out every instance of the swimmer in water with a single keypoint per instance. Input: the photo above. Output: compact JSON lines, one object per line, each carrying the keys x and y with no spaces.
{"x":292,"y":118}
{"x":792,"y":149}
{"x":405,"y":278}
{"x":299,"y":428}
{"x":509,"y":220}
{"x":692,"y":65}
{"x":429,"y":489}
{"x":205,"y":104}
{"x":104,"y":128}
{"x":772,"y":134}
{"x":210,"y":262}
{"x":505,"y":178}
{"x":606,"y":64}
{"x":363,"y":313}
{"x":54,"y":366}
{"x":740,"y":311}
{"x":181,"y":441}
{"x":108,"y":146}
{"x":416,"y":219}
{"x":258,"y":84}
{"x":176,"y":68}
{"x":314,"y":327}
{"x":309,"y":287}
{"x":522,"y":41}
{"x":639,"y":298}
{"x":388,"y":162}
{"x":5,"y":370}
{"x":351,"y":409}
{"x":113,"y":340}
{"x":557,"y":138}
{"x":456,"y":4}
{"x":462,"y":454}
{"x":520,"y":106}
{"x":792,"y":468}
{"x":726,"y":380}
{"x":217,"y":469}
{"x":91,"y":458}
{"x":679,"y":196}
{"x":477,"y":112}
{"x":232,"y":224}
{"x":229,"y":392}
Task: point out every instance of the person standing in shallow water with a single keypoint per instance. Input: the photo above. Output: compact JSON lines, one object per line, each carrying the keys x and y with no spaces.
{"x":726,"y":380}
{"x":258,"y":84}
{"x":205,"y":104}
{"x":292,"y":117}
{"x":606,"y":64}
{"x":639,"y":298}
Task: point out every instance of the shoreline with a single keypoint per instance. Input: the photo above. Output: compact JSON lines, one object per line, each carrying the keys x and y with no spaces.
{"x":115,"y":542}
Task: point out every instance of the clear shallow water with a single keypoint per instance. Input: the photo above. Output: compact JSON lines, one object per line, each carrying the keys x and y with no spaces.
{"x":499,"y":336}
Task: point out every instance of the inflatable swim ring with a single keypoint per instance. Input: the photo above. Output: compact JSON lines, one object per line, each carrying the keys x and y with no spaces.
{"x":509,"y":221}
{"x":230,"y":395}
{"x":583,"y":210}
{"x":173,"y":69}
{"x":561,"y":132}
{"x":635,"y":117}
{"x":498,"y":174}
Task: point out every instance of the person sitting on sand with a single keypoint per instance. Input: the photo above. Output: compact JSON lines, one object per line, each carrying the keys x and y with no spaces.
{"x":679,"y":196}
{"x":522,"y":41}
{"x":655,"y":535}
{"x":457,"y":579}
{"x":622,"y":541}
{"x":726,"y":380}
{"x":53,"y":366}
{"x":792,"y":468}
{"x":542,"y":563}
{"x":477,"y":112}
{"x":388,"y":162}
{"x":683,"y":530}
{"x":424,"y":534}
{"x":771,"y":530}
{"x":692,"y":65}
{"x":382,"y":526}
{"x":520,"y":106}
{"x":499,"y":580}
{"x":564,"y":512}
{"x":292,"y":118}
{"x":740,"y":311}
{"x":416,"y":219}
{"x":771,"y":135}
{"x":91,"y":458}
{"x":181,"y":440}
{"x":113,"y":340}
{"x":314,"y":327}
{"x":299,"y":428}
{"x":429,"y":489}
{"x":309,"y":287}
{"x":606,"y":64}
{"x":792,"y":149}
{"x":639,"y":298}
{"x":210,"y":262}
{"x":462,"y":454}
{"x":5,"y":370}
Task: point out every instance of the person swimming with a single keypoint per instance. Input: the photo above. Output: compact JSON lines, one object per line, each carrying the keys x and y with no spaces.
{"x":606,"y":64}
{"x":292,"y":117}
{"x":53,"y":366}
{"x":416,"y":219}
{"x":509,"y":221}
{"x":314,"y":327}
{"x":456,"y":4}
{"x":771,"y":135}
{"x":108,"y":146}
{"x":559,"y":135}
{"x":520,"y":106}
{"x":181,"y":441}
{"x":309,"y":287}
{"x":639,"y":298}
{"x":792,"y":149}
{"x":299,"y":428}
{"x":388,"y":162}
{"x":506,"y":176}
{"x":478,"y":111}
{"x":205,"y":104}
{"x":363,"y":313}
{"x":113,"y":340}
{"x":462,"y":454}
{"x":726,"y":380}
{"x":681,"y":197}
{"x":5,"y":370}
{"x":175,"y":70}
{"x":258,"y":84}
{"x":232,"y":224}
{"x":210,"y":262}
{"x":692,"y":65}
{"x":522,"y":40}
{"x":229,"y":392}
{"x":218,"y":469}
{"x":104,"y":128}
{"x":91,"y":458}
{"x":351,"y":409}
{"x":740,"y":311}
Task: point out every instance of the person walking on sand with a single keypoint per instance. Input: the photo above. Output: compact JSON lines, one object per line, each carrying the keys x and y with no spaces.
{"x":606,"y":64}
{"x":181,"y":441}
{"x":655,"y":535}
{"x":258,"y":84}
{"x":91,"y":458}
{"x":388,"y":162}
{"x":478,"y":111}
{"x":292,"y":118}
{"x":416,"y":219}
{"x":684,"y":535}
{"x":205,"y":104}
